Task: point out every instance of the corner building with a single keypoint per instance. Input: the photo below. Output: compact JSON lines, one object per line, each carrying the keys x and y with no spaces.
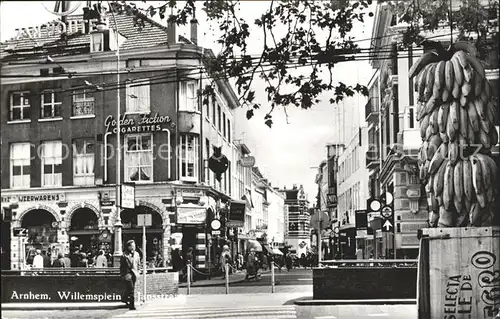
{"x":59,"y":142}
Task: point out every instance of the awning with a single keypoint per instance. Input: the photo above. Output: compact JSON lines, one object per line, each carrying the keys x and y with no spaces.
{"x":276,"y":251}
{"x":253,"y":244}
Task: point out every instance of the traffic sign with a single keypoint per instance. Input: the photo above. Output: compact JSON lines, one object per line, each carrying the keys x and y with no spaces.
{"x":387,"y":226}
{"x":386,"y":212}
{"x":215,"y":232}
{"x":387,"y":198}
{"x":215,"y":224}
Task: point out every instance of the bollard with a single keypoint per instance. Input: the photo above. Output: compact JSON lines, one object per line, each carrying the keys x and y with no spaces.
{"x":226,"y":266}
{"x":272,"y":277}
{"x":189,"y":278}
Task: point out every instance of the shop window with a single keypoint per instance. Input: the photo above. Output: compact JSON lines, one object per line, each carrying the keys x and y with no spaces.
{"x":51,"y":104}
{"x":224,"y":125}
{"x":51,"y":163}
{"x":139,"y":158}
{"x":83,"y":103}
{"x":19,"y":106}
{"x":20,"y":165}
{"x":188,"y":99}
{"x":188,"y":157}
{"x":42,"y":232}
{"x":214,"y":106}
{"x":83,"y":161}
{"x":219,"y":126}
{"x":207,"y":155}
{"x":138,"y":97}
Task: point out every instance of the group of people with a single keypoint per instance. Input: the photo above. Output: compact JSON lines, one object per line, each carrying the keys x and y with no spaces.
{"x":78,"y":259}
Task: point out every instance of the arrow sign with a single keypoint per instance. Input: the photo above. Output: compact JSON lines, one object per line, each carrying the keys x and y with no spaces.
{"x":387,"y":225}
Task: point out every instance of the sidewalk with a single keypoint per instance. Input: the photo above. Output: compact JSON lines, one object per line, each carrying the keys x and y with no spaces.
{"x":32,"y":306}
{"x":236,"y":277}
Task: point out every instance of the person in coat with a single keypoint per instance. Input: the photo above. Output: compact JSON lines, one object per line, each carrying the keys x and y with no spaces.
{"x":59,"y":262}
{"x":251,"y":264}
{"x":129,"y":272}
{"x":38,"y":260}
{"x":101,"y":261}
{"x":225,"y":258}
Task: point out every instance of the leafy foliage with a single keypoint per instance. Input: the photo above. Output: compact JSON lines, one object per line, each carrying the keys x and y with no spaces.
{"x":291,"y":64}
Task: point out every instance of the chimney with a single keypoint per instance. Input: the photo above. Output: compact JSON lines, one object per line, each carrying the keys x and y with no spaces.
{"x":171,"y":31}
{"x":194,"y":28}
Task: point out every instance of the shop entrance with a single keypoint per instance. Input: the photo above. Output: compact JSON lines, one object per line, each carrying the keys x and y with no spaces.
{"x":154,"y":233}
{"x":84,"y":233}
{"x":188,"y":239}
{"x":5,"y":246}
{"x":42,"y":233}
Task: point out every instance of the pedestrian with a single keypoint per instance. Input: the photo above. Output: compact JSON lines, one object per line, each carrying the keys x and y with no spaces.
{"x":251,"y":264}
{"x":158,"y":261}
{"x":303,"y":260}
{"x":288,"y":261}
{"x":38,"y":260}
{"x":59,"y":262}
{"x":46,"y":259}
{"x":264,"y":262}
{"x":241,"y":261}
{"x":101,"y":261}
{"x":67,"y":261}
{"x":129,"y":272}
{"x":225,"y":258}
{"x":84,"y":262}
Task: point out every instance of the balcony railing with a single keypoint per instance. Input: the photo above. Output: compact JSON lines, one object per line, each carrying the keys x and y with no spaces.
{"x":371,"y":108}
{"x":372,"y":159}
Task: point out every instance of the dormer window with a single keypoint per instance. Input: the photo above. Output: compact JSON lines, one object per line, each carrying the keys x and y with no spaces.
{"x":97,"y":42}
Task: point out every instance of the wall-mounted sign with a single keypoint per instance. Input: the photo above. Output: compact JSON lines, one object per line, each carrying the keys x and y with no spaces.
{"x":247,"y":161}
{"x":189,"y":192}
{"x":34,"y":198}
{"x":413,"y":193}
{"x":146,"y":123}
{"x":191,"y":215}
{"x":237,"y":213}
{"x":128,"y":196}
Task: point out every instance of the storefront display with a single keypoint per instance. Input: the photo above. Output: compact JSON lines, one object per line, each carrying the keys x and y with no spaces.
{"x":42,"y":232}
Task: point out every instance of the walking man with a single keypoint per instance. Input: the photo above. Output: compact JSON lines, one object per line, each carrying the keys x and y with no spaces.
{"x":129,"y":271}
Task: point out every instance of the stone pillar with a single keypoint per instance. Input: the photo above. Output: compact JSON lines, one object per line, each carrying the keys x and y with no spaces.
{"x":16,"y":246}
{"x":167,"y":250}
{"x":118,"y":238}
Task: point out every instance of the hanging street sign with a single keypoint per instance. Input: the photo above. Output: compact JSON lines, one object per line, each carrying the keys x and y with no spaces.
{"x":144,"y":220}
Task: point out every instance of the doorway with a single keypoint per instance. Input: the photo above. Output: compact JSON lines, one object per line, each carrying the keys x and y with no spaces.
{"x":188,"y":239}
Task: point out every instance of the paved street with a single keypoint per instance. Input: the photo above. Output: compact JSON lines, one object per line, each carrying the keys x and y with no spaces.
{"x":257,"y":306}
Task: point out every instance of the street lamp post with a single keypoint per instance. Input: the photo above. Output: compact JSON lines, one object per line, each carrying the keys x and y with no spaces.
{"x":118,"y":222}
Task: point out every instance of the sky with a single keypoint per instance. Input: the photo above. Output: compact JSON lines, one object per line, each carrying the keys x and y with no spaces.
{"x":289,"y":152}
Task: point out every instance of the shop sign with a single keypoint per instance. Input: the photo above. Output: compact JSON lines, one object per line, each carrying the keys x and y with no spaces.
{"x":191,"y":215}
{"x":128,"y":196}
{"x":146,"y":123}
{"x":34,"y":198}
{"x":190,"y":193}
